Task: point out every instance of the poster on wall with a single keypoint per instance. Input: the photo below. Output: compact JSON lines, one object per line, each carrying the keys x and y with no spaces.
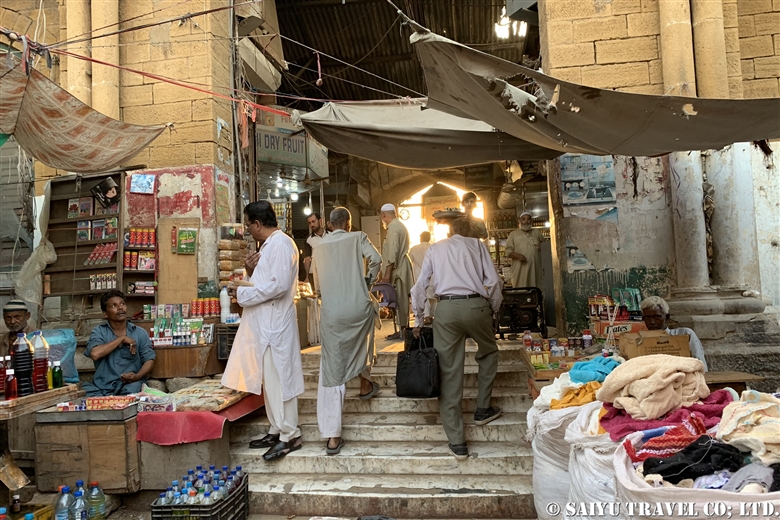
{"x":587,"y":179}
{"x":106,"y":193}
{"x":186,"y":240}
{"x":142,"y":183}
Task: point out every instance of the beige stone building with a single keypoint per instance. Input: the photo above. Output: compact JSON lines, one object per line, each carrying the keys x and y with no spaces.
{"x":709,"y":48}
{"x":195,"y":51}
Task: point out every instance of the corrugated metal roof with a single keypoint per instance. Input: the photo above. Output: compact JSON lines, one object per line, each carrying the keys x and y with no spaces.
{"x":368,"y":34}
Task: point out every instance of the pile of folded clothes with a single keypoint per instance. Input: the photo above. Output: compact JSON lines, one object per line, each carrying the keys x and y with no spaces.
{"x":691,"y":438}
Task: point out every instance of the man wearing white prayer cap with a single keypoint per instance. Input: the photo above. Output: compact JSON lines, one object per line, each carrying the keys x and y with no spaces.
{"x":524,"y":248}
{"x":396,"y":266}
{"x":16,"y":316}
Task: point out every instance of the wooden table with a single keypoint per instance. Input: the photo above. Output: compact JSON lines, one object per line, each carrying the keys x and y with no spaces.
{"x":738,"y":381}
{"x":17,"y":420}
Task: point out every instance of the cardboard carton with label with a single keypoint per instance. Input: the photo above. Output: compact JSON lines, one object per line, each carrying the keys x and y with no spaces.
{"x":647,"y":342}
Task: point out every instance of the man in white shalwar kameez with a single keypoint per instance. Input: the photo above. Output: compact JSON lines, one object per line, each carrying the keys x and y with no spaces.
{"x":347,"y":319}
{"x":417,"y":255}
{"x":266,"y":354}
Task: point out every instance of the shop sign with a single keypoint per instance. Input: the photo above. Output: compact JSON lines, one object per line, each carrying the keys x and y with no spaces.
{"x":478,"y":177}
{"x":292,"y":150}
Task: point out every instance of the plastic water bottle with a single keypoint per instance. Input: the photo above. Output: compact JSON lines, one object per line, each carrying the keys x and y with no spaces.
{"x":216,"y":495}
{"x":207,"y":500}
{"x":175,"y":486}
{"x":97,"y":501}
{"x":78,"y":509}
{"x":192,"y":499}
{"x":40,"y":361}
{"x":162,"y":501}
{"x":199,"y":468}
{"x":62,"y":506}
{"x":239,"y":472}
{"x":191,"y":474}
{"x":212,"y":470}
{"x":80,"y":487}
{"x":169,"y":495}
{"x":223,"y":488}
{"x":198,"y":483}
{"x":224,"y":305}
{"x":177,"y":499}
{"x":231,"y":485}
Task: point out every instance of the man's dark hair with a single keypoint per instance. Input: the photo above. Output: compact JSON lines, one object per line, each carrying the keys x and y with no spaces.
{"x":113,"y":293}
{"x":468,"y":196}
{"x":261,"y":211}
{"x":314,"y":214}
{"x":460,"y":226}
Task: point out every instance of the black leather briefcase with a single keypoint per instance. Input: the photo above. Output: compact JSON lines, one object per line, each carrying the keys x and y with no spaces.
{"x":417,"y":371}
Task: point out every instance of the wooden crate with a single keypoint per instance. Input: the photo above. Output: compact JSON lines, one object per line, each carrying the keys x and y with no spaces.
{"x":162,"y":464}
{"x":192,"y":361}
{"x":103,"y":451}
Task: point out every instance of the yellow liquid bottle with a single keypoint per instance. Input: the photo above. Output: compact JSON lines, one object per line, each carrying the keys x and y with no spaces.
{"x":49,"y":378}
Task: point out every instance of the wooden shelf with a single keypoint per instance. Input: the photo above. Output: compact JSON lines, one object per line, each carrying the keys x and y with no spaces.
{"x":140,"y":248}
{"x":76,"y":293}
{"x":147,"y":271}
{"x":112,"y":265}
{"x":136,"y":295}
{"x":84,"y":242}
{"x":76,"y":219}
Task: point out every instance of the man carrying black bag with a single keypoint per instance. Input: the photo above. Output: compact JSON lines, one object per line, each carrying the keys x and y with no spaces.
{"x":469,"y":291}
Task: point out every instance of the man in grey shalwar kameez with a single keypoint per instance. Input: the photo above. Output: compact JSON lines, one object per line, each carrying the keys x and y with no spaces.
{"x":347,"y":319}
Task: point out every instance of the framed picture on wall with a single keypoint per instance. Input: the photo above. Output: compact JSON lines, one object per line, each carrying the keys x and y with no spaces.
{"x":106,"y":193}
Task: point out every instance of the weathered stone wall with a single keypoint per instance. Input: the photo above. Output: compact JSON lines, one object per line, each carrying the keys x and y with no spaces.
{"x":759,"y":47}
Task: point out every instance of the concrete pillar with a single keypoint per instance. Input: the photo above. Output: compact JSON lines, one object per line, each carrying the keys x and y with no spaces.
{"x":105,"y":80}
{"x":79,"y":71}
{"x":709,"y":48}
{"x":690,"y":235}
{"x":677,"y":62}
{"x":735,"y":261}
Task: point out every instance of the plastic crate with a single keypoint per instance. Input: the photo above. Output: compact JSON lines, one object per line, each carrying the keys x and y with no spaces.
{"x":234,"y":507}
{"x":225,"y":336}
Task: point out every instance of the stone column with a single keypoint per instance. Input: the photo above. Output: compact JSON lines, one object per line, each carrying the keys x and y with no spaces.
{"x":709,"y":49}
{"x":690,"y":237}
{"x":105,"y":80}
{"x":78,"y":26}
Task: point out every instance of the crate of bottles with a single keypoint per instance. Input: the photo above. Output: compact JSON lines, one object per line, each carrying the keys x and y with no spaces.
{"x":234,"y":507}
{"x":225,"y":336}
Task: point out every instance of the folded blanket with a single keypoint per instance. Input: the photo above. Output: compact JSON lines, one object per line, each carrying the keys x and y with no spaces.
{"x":648,"y":387}
{"x":619,"y":424}
{"x":704,"y":456}
{"x":577,"y":396}
{"x":672,"y":441}
{"x":753,"y":424}
{"x":556,"y":390}
{"x":597,"y":369}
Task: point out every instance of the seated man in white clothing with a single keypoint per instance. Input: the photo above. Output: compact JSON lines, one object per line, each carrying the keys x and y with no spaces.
{"x":655,"y":312}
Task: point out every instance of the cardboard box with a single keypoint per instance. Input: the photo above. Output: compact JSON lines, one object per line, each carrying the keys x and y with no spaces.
{"x":650,"y":342}
{"x":601,"y":328}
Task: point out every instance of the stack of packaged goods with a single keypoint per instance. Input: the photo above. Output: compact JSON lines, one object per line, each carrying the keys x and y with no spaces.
{"x":232,"y":253}
{"x":200,"y":487}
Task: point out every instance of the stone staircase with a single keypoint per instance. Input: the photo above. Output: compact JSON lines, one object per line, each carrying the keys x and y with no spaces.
{"x":396,"y":461}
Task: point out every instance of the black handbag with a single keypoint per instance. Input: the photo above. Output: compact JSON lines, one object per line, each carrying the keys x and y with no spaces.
{"x":417,"y":370}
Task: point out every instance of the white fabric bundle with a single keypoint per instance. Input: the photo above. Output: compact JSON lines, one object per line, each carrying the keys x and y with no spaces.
{"x":314,"y":321}
{"x":591,"y":470}
{"x":546,"y":432}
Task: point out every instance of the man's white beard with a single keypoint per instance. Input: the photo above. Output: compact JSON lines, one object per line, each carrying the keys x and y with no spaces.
{"x":526,"y":227}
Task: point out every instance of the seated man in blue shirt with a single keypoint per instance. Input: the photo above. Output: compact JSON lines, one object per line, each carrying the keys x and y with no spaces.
{"x":121,"y":351}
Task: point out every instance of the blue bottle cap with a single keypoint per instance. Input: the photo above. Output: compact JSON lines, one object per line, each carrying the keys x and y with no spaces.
{"x":162,"y":495}
{"x":2,"y":510}
{"x":79,"y":483}
{"x":177,"y":494}
{"x":224,"y":468}
{"x":175,"y":482}
{"x":190,"y":472}
{"x":230,"y":477}
{"x":169,"y":488}
{"x":77,"y":494}
{"x":216,"y":488}
{"x":207,"y":494}
{"x":211,"y":467}
{"x":238,"y":468}
{"x":20,"y":334}
{"x":65,"y":490}
{"x":29,"y":516}
{"x":199,"y":468}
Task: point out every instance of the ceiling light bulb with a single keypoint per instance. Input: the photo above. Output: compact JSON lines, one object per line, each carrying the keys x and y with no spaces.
{"x":293,"y":197}
{"x":547,"y":224}
{"x":279,"y":183}
{"x":276,"y":193}
{"x":307,"y":211}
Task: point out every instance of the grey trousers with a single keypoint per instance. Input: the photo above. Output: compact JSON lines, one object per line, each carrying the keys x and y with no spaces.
{"x":453,"y":321}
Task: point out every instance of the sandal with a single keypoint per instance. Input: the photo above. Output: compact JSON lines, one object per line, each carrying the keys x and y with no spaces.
{"x":337,"y":449}
{"x":282,"y":448}
{"x":374,"y":391}
{"x":266,"y":442}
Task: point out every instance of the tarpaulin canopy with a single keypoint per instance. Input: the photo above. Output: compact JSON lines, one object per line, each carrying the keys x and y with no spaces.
{"x":573,"y":118}
{"x":58,"y":129}
{"x":404,"y":133}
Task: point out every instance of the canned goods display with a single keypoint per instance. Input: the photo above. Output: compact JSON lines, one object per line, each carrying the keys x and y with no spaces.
{"x":127,"y":259}
{"x":134,"y":260}
{"x":144,"y":240}
{"x":133,"y":237}
{"x":152,"y":238}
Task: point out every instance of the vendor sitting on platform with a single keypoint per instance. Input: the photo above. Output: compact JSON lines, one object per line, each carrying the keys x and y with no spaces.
{"x":15,"y":315}
{"x":655,"y":313}
{"x":121,"y":351}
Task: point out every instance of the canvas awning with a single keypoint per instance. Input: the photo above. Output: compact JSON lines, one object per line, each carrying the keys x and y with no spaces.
{"x":405,"y":134}
{"x":573,"y":118}
{"x":61,"y":131}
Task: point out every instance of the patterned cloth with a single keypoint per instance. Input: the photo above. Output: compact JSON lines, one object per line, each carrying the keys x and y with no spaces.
{"x":753,"y":424}
{"x":672,"y":441}
{"x":61,"y":131}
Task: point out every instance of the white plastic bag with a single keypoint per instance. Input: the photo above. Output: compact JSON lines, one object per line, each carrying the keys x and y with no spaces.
{"x":706,"y":503}
{"x":591,"y":468}
{"x":546,"y":431}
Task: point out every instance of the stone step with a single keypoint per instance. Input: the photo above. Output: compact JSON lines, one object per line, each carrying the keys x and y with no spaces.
{"x":509,"y":399}
{"x":394,"y":458}
{"x":368,"y":427}
{"x":148,"y":516}
{"x":509,"y":352}
{"x":514,"y":375}
{"x":396,"y":496}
